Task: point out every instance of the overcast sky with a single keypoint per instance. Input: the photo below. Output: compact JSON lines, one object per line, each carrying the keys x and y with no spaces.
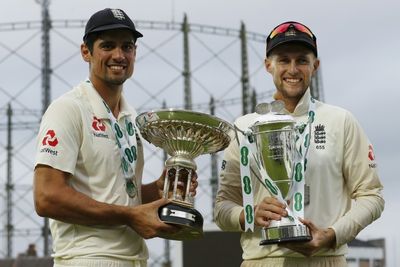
{"x":359,"y":47}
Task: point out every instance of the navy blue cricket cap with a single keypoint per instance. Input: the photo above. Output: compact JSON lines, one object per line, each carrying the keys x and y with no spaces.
{"x":110,"y":19}
{"x":290,"y":32}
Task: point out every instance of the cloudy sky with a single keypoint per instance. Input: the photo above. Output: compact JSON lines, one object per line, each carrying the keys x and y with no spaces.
{"x":358,"y":44}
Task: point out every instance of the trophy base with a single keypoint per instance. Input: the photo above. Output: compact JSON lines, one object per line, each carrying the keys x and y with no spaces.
{"x":285,"y":234}
{"x":188,"y":219}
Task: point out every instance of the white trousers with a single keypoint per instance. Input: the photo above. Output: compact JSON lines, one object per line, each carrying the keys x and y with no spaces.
{"x":329,"y":261}
{"x":98,"y":263}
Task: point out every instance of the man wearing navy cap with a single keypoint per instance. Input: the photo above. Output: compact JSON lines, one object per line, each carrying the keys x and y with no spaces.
{"x":89,"y":162}
{"x":342,"y":191}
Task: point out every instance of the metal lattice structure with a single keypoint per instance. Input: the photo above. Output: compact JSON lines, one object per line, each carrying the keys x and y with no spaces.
{"x":205,"y":68}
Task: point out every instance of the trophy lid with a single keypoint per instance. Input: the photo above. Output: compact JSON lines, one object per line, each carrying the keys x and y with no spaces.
{"x":185,"y":132}
{"x":273,"y":117}
{"x":272,"y":121}
{"x":272,"y":113}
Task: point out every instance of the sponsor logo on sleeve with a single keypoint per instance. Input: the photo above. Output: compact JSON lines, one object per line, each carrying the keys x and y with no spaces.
{"x":49,"y":142}
{"x":371,"y":157}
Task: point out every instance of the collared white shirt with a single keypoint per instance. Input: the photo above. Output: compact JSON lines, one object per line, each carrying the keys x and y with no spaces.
{"x":75,"y":136}
{"x":340,"y":168}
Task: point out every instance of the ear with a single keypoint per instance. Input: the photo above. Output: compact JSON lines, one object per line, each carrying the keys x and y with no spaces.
{"x":268,"y":64}
{"x":316,"y":65}
{"x":85,"y":52}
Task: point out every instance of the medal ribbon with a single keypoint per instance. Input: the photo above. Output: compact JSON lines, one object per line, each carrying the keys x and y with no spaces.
{"x":127,"y":144}
{"x":247,"y":187}
{"x":303,"y":138}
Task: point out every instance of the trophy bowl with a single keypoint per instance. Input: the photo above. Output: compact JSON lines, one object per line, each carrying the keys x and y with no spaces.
{"x":184,"y":135}
{"x":275,"y":139}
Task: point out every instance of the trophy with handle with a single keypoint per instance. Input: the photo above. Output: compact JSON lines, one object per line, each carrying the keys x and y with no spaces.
{"x":184,"y":135}
{"x":272,"y":142}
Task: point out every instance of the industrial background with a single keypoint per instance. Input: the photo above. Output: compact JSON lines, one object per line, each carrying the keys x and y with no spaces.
{"x":204,"y":68}
{"x":180,"y":64}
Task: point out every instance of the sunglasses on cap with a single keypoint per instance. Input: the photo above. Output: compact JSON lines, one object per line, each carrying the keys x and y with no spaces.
{"x":285,"y":26}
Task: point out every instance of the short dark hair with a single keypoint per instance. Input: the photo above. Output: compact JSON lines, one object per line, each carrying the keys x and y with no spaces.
{"x":92,"y":37}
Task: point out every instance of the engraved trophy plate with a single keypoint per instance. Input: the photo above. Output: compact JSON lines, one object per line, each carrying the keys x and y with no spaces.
{"x":184,"y":135}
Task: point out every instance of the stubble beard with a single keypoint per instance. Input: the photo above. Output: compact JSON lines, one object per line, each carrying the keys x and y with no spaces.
{"x":116,"y":82}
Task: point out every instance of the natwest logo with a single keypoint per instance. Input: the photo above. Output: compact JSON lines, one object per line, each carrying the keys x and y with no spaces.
{"x":98,"y":125}
{"x":50,"y":139}
{"x":371,"y":154}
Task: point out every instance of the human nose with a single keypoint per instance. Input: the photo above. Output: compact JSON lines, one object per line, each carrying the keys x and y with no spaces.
{"x":293,"y":67}
{"x":118,"y":54}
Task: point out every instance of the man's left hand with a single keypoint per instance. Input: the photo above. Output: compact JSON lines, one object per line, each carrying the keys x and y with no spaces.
{"x":193,"y":183}
{"x":321,"y":238}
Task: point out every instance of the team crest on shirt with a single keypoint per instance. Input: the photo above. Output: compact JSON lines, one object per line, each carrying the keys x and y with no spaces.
{"x":49,"y":142}
{"x":99,"y":128}
{"x":320,"y":136}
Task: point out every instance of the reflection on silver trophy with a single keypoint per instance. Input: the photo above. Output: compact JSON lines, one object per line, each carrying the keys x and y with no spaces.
{"x":273,"y":135}
{"x":184,"y":135}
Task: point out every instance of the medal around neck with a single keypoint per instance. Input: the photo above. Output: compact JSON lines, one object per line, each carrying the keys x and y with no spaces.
{"x":184,"y":135}
{"x":271,"y":139}
{"x":130,"y":188}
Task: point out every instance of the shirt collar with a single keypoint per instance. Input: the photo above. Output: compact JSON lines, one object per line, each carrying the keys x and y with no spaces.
{"x":96,"y":101}
{"x":125,"y":109}
{"x":302,"y":106}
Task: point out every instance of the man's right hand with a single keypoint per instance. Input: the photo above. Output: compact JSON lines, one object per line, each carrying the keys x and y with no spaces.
{"x":269,"y":209}
{"x":145,"y":221}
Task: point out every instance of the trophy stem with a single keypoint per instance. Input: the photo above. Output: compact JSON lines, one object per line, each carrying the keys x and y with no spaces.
{"x":188,"y":183}
{"x":179,"y":173}
{"x":180,"y":211}
{"x":182,"y":160}
{"x":166,"y":185}
{"x":176,"y":181}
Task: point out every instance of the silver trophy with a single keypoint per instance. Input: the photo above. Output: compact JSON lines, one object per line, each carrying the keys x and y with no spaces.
{"x":184,"y":135}
{"x":275,"y":138}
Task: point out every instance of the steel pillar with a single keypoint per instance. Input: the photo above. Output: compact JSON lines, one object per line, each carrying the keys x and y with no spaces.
{"x":186,"y":65}
{"x":213,"y":165}
{"x":246,"y":105}
{"x":167,"y":249}
{"x":9,"y":185}
{"x":253,"y":101}
{"x":46,"y":96}
{"x":316,"y":86}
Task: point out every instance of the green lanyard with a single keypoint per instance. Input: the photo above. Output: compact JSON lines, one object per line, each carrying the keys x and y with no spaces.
{"x":303,"y":138}
{"x":127,"y":144}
